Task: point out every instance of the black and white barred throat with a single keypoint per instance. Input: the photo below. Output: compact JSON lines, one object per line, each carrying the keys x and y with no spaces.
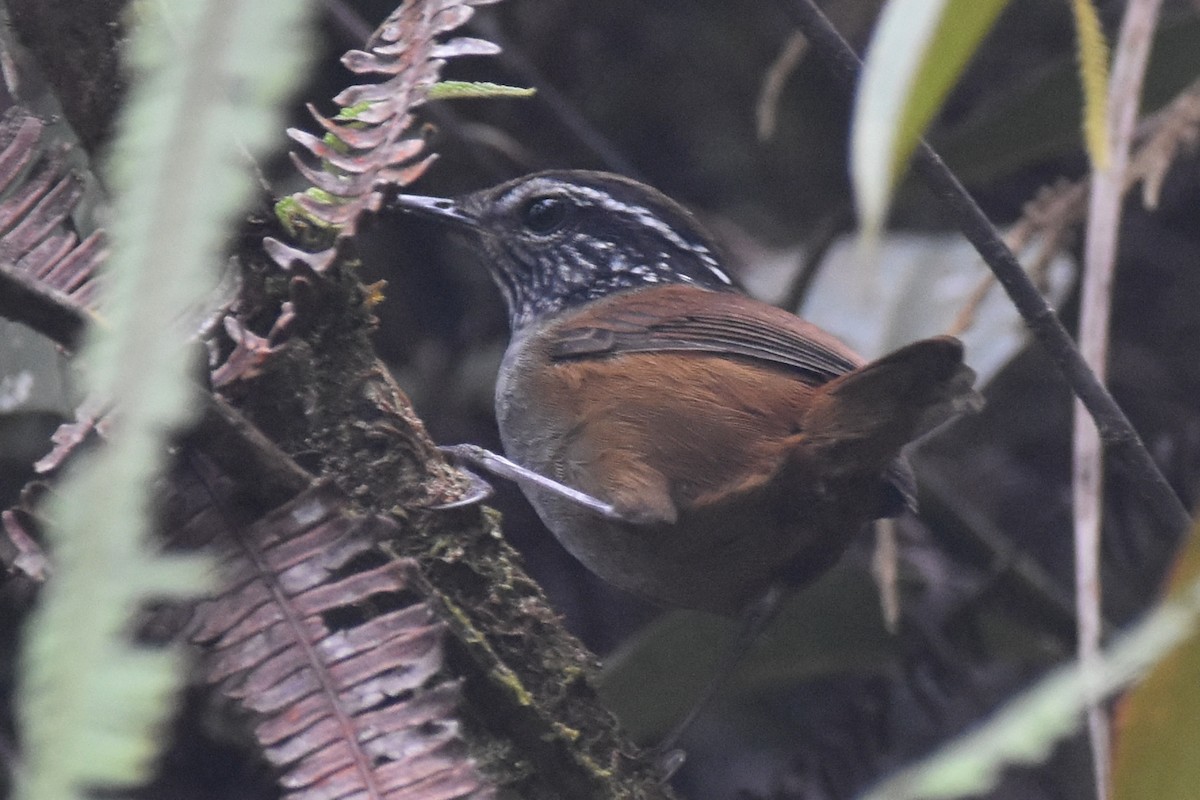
{"x":555,"y":240}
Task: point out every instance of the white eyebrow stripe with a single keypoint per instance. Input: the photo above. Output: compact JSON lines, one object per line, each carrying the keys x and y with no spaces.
{"x":648,"y":218}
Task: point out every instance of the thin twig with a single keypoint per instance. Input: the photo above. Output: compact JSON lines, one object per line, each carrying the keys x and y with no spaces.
{"x":48,"y":311}
{"x":1115,"y":430}
{"x":823,"y":238}
{"x":246,"y":454}
{"x":940,"y":498}
{"x":356,"y":30}
{"x":766,"y":110}
{"x":1171,"y":131}
{"x":1054,"y":213}
{"x":1100,"y":257}
{"x":885,"y":569}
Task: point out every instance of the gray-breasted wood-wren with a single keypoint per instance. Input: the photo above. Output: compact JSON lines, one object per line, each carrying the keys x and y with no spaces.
{"x":686,"y":442}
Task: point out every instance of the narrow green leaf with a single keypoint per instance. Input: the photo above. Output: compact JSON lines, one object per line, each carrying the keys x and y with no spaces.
{"x":209,"y":78}
{"x":919,"y":49}
{"x":1157,"y":738}
{"x":1093,"y":77}
{"x":463,"y":90}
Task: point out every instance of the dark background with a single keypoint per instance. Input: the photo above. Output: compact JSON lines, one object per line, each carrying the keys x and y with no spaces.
{"x":665,"y":91}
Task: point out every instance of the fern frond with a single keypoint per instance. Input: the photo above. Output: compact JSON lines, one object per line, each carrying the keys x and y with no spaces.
{"x":369,"y":145}
{"x":322,"y":638}
{"x":210,"y":77}
{"x":47,"y":272}
{"x":1093,"y":76}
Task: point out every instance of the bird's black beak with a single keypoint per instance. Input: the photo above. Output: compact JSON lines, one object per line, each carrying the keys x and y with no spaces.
{"x":440,"y":209}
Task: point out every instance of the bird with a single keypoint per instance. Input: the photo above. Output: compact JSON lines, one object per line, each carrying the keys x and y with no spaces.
{"x":711,"y":444}
{"x":686,"y":442}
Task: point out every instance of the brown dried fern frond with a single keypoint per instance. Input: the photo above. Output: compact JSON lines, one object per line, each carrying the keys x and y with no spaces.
{"x":321,"y":637}
{"x":19,"y":551}
{"x":47,"y":279}
{"x":370,"y":144}
{"x":47,"y":273}
{"x":1173,"y":131}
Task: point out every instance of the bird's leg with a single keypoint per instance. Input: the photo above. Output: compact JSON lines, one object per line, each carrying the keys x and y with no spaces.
{"x":501,"y":467}
{"x":753,"y":620}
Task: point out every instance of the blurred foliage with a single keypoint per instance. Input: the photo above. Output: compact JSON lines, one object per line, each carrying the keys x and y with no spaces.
{"x":1026,"y":125}
{"x":1029,"y":726}
{"x":832,"y":626}
{"x":1156,"y":740}
{"x":1093,"y":81}
{"x":917,"y":52}
{"x":209,"y":81}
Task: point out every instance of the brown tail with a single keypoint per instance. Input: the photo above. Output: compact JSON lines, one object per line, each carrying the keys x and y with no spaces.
{"x":860,"y":421}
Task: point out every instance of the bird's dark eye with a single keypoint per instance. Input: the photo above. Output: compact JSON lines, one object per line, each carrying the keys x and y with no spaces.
{"x":545,"y":214}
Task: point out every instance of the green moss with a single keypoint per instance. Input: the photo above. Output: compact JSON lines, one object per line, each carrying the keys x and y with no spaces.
{"x":507,"y":678}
